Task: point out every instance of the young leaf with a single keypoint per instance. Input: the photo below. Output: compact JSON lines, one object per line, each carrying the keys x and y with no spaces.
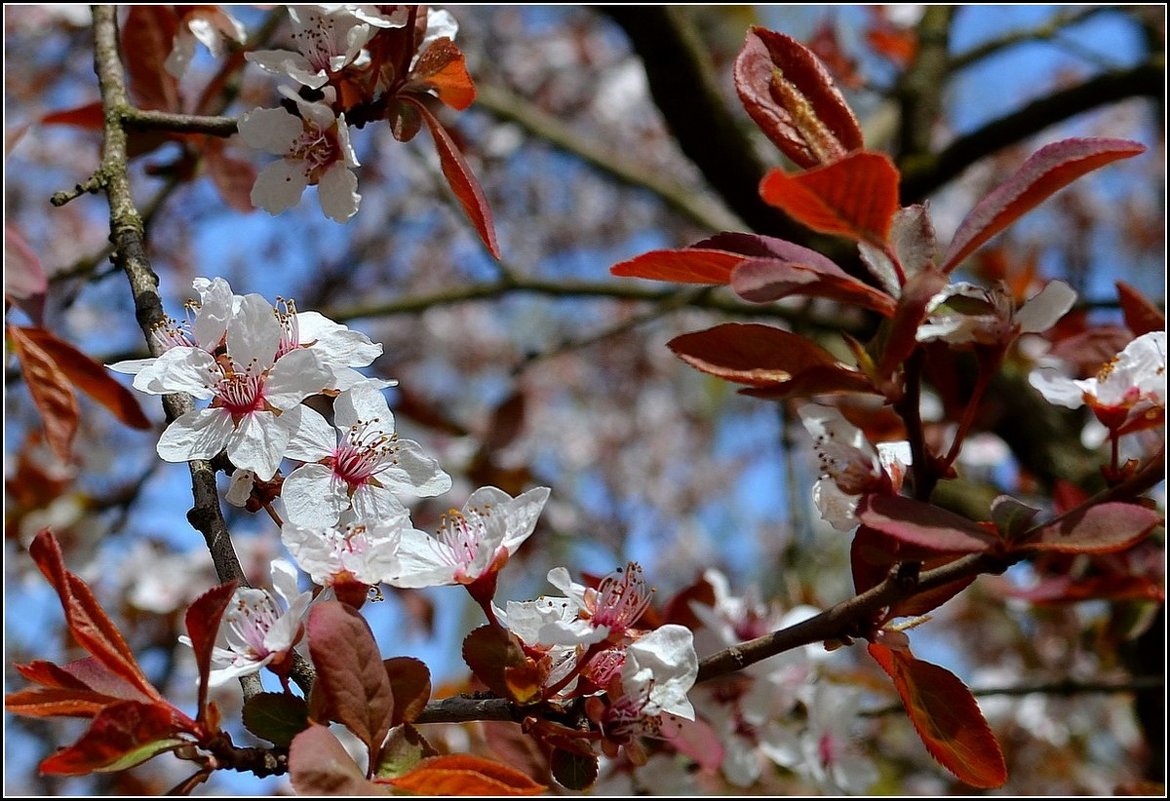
{"x":1049,"y":169}
{"x":202,"y":620}
{"x":232,"y":178}
{"x":404,"y":748}
{"x":91,"y":116}
{"x":1141,"y":316}
{"x":871,"y":556}
{"x":25,"y":281}
{"x":319,"y":765}
{"x":855,"y":197}
{"x":277,"y":717}
{"x":458,"y":174}
{"x":148,"y":36}
{"x":946,"y":717}
{"x":56,"y":702}
{"x":910,"y":313}
{"x":1103,"y":528}
{"x":443,"y":68}
{"x":123,"y":735}
{"x":693,"y":265}
{"x":411,"y":684}
{"x":788,"y":93}
{"x":86,"y":619}
{"x":497,"y":659}
{"x":350,"y":672}
{"x":765,"y":280}
{"x":767,"y":358}
{"x":463,"y":774}
{"x":51,"y":392}
{"x":924,"y":525}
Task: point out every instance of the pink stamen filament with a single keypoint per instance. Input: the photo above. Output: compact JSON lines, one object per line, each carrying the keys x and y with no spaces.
{"x":240,"y":392}
{"x":364,"y":449}
{"x":622,"y":598}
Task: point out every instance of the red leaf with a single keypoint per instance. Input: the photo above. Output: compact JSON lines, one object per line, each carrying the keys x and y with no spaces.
{"x":24,"y":277}
{"x":1048,"y":170}
{"x":1141,"y":316}
{"x":909,"y":315}
{"x":51,"y":392}
{"x":946,"y":717}
{"x":410,"y":681}
{"x":898,"y":45}
{"x":86,"y":619}
{"x":498,"y":660}
{"x":687,"y":266}
{"x":790,"y":95}
{"x":1102,"y":528}
{"x":854,"y":197}
{"x":764,"y":280}
{"x":49,"y":674}
{"x":350,"y":672}
{"x":148,"y":36}
{"x":319,"y":765}
{"x":766,"y":357}
{"x":1066,"y":589}
{"x":871,"y":556}
{"x":202,"y":621}
{"x":91,"y":116}
{"x":92,"y":378}
{"x":463,"y":774}
{"x":233,"y":178}
{"x":463,"y":183}
{"x":443,"y":68}
{"x":53,"y":702}
{"x":923,"y":525}
{"x":123,"y":735}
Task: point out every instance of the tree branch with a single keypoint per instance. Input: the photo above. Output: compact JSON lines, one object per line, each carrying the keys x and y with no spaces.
{"x":920,"y":88}
{"x":150,"y":120}
{"x":924,"y":176}
{"x":1049,"y":30}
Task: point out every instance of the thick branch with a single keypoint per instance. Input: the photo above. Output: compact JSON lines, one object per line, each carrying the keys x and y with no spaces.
{"x":928,"y":174}
{"x":920,"y":89}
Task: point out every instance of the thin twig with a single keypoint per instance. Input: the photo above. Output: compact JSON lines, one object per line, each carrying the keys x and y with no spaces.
{"x":150,"y":120}
{"x":1049,"y":30}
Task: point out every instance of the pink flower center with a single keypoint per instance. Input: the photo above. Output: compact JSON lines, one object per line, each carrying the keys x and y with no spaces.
{"x":172,"y":333}
{"x":626,"y":718}
{"x":241,"y":392}
{"x":363,"y":450}
{"x":622,"y":597}
{"x":290,"y":333}
{"x":317,"y":149}
{"x":315,"y":40}
{"x":250,"y":623}
{"x":464,"y":534}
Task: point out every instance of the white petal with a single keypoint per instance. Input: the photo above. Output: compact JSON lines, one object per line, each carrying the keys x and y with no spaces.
{"x":240,"y":487}
{"x":1042,"y":311}
{"x":272,"y":130}
{"x":669,"y":653}
{"x":337,"y":192}
{"x":131,"y":366}
{"x":413,"y":472}
{"x":522,"y":515}
{"x":313,"y":439}
{"x":279,"y":186}
{"x":351,"y":348}
{"x":180,"y":369}
{"x":216,"y":302}
{"x":258,"y":443}
{"x":196,"y":435}
{"x":295,"y":376}
{"x":376,"y":503}
{"x":314,"y":496}
{"x":423,"y":561}
{"x":1056,"y":388}
{"x":254,"y":334}
{"x":362,"y":403}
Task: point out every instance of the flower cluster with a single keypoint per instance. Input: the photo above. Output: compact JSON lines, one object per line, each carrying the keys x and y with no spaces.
{"x":346,"y":62}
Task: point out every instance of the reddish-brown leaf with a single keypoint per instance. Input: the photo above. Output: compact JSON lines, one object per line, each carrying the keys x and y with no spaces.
{"x":54,"y":702}
{"x":410,"y":681}
{"x":48,"y":674}
{"x":1103,"y":528}
{"x":854,"y":197}
{"x":946,"y":717}
{"x":90,"y":116}
{"x":1141,"y":316}
{"x":148,"y":35}
{"x":458,"y":174}
{"x":443,"y":68}
{"x":871,"y":556}
{"x":765,"y":357}
{"x":1066,"y":589}
{"x":765,"y":280}
{"x":91,"y":377}
{"x":125,"y":734}
{"x":691,"y":265}
{"x":86,"y":619}
{"x":498,"y":660}
{"x":1048,"y":170}
{"x":318,"y":765}
{"x":25,"y":281}
{"x":910,"y":313}
{"x":202,"y":621}
{"x":350,"y":672}
{"x":51,"y":392}
{"x":923,"y":525}
{"x":463,"y":774}
{"x":898,"y":45}
{"x":791,"y":96}
{"x":233,"y":178}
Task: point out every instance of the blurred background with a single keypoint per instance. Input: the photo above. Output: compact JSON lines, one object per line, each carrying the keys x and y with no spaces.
{"x":543,"y":370}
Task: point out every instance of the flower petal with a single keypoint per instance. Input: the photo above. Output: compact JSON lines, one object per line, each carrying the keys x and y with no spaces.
{"x":201,"y":434}
{"x":279,"y":186}
{"x":337,"y":191}
{"x":314,"y":496}
{"x":272,"y":130}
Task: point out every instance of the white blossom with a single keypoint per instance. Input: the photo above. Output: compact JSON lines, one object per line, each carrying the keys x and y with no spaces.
{"x":964,"y":313}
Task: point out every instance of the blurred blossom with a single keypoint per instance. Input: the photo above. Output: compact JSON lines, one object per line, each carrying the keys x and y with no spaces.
{"x":360,"y":552}
{"x":964,"y":314}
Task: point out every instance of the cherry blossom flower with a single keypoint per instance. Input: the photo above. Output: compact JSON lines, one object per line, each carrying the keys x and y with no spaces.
{"x":850,"y":465}
{"x":362,"y":552}
{"x":316,"y":150}
{"x":328,"y":38}
{"x":340,"y":347}
{"x":362,"y":463}
{"x":208,"y":25}
{"x":604,"y":613}
{"x":255,"y":632}
{"x":472,"y":543}
{"x":204,"y":327}
{"x":964,"y":314}
{"x":825,"y":752}
{"x":1127,"y":394}
{"x":255,"y":397}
